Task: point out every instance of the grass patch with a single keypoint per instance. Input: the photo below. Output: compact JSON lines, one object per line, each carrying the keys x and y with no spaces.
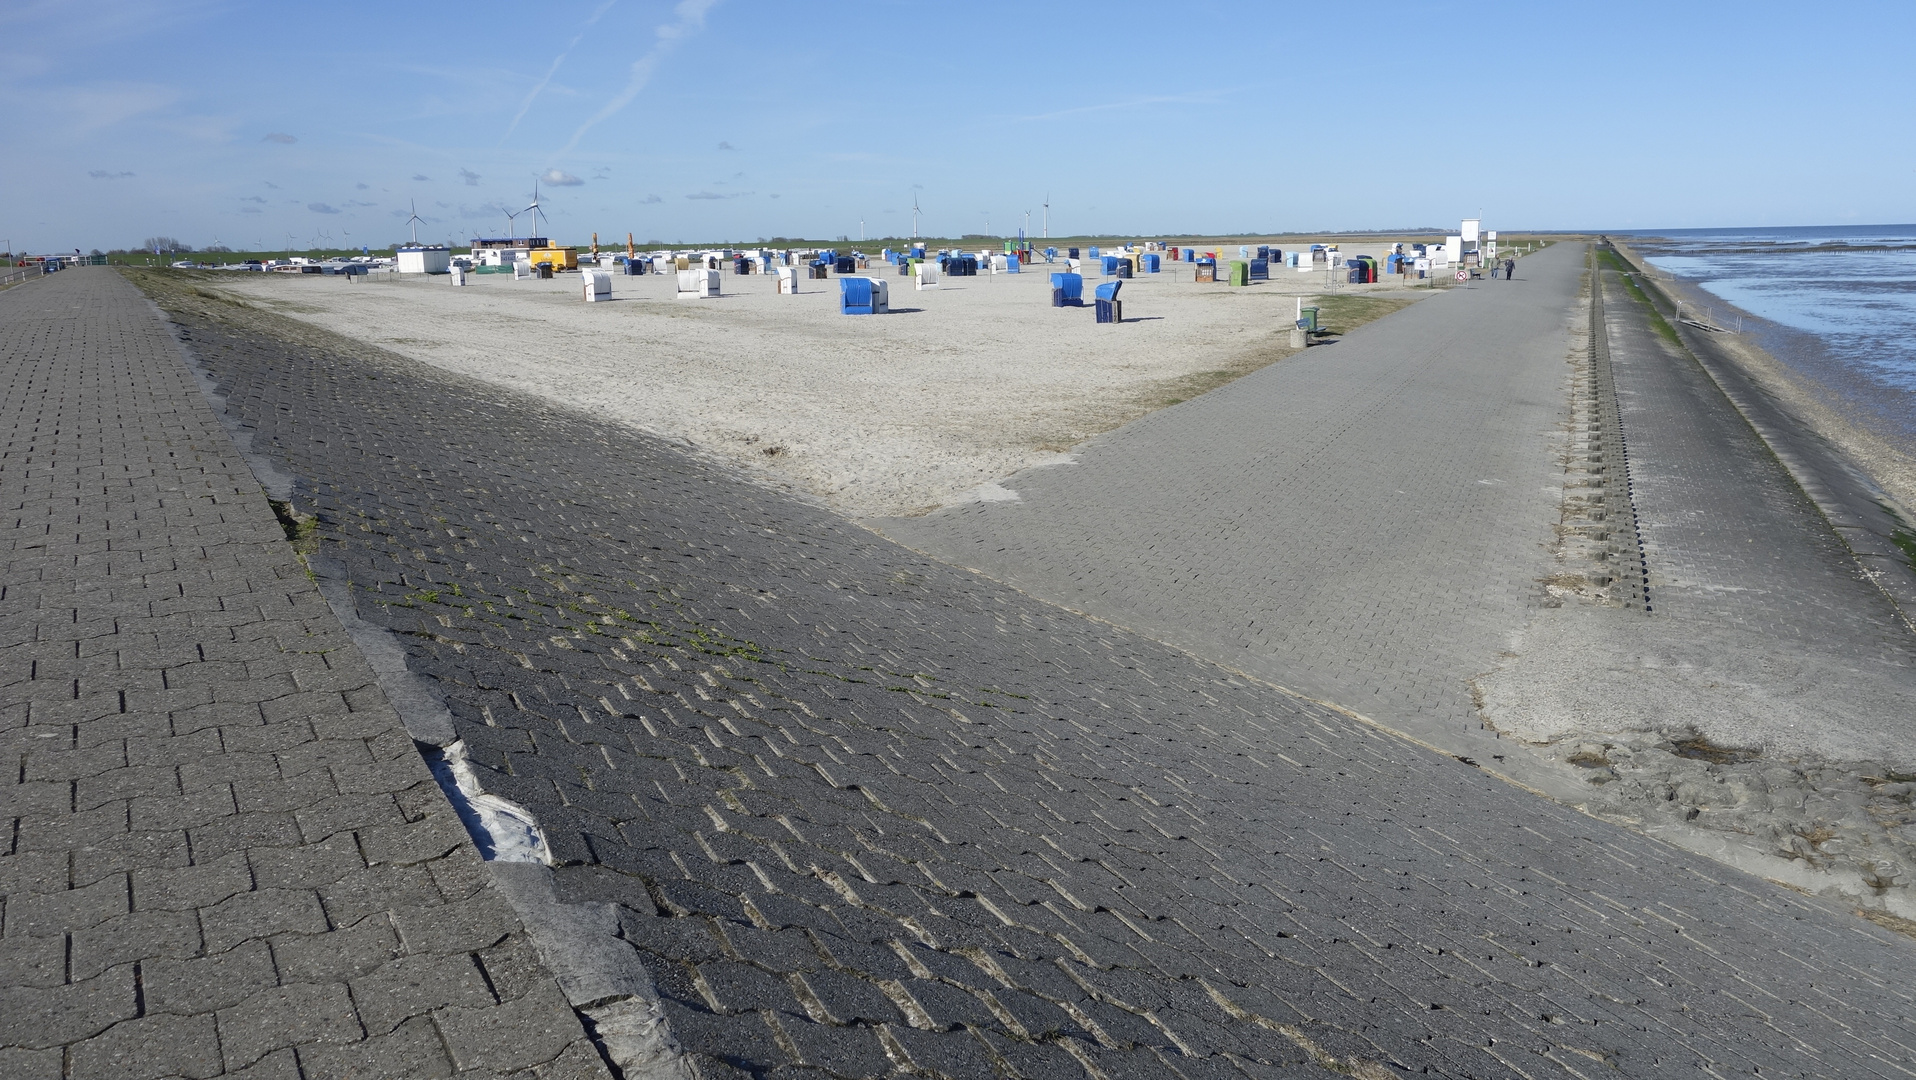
{"x":302,"y":530}
{"x":1336,"y":315}
{"x":1627,"y":273}
{"x":1342,"y":314}
{"x":1905,"y":542}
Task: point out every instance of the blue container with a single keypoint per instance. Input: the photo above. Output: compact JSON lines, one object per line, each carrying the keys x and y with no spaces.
{"x":1260,"y":269}
{"x":1093,"y":253}
{"x":845,"y":264}
{"x":1123,"y":268}
{"x":854,"y":296}
{"x":1070,"y":253}
{"x":1264,"y":251}
{"x":1150,"y":264}
{"x":1108,"y":263}
{"x":633,"y":267}
{"x":1067,"y":290}
{"x":1011,"y":264}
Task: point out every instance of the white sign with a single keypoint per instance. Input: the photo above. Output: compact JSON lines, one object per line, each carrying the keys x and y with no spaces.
{"x":1471,"y":225}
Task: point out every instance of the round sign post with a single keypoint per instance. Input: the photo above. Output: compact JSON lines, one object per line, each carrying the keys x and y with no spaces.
{"x":1463,"y":275}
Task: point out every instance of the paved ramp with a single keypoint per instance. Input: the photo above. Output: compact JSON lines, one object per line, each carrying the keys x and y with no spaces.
{"x":1364,"y":522}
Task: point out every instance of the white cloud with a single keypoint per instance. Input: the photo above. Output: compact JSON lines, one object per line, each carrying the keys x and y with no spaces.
{"x":726,"y":146}
{"x":717,"y":195}
{"x":471,"y":178}
{"x":320,"y":208}
{"x":421,"y":177}
{"x":102,"y":174}
{"x":689,"y":19}
{"x":650,"y":199}
{"x":280,"y":137}
{"x":558,"y":178}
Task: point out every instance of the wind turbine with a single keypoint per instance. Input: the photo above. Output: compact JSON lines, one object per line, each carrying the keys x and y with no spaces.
{"x":414,"y":221}
{"x":534,"y":208}
{"x":1047,"y":215}
{"x":914,"y":215}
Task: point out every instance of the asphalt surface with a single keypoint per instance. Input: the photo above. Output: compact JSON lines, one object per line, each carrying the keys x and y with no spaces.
{"x":862,"y":812}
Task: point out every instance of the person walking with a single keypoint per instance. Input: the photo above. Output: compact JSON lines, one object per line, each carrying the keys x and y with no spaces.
{"x":1510,"y":269}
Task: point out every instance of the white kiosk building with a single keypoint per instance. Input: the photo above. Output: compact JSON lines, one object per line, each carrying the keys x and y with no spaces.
{"x":424,"y":259}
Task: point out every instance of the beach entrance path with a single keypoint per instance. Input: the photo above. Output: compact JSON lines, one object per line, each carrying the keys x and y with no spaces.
{"x":1366,"y":522}
{"x":864,"y":813}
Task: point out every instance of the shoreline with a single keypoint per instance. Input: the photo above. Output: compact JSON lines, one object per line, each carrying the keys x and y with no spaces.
{"x":1822,"y":408}
{"x":1862,"y":484}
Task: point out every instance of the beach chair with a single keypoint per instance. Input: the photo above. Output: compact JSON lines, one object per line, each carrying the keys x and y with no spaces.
{"x":1067,"y":290}
{"x":1105,"y":297}
{"x":596,"y":284}
{"x":863,"y":296}
{"x":698,"y":284}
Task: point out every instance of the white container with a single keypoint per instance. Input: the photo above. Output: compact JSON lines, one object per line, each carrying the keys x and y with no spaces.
{"x":597,"y":285}
{"x":927,"y":275}
{"x":521,"y":270}
{"x":698,"y":284}
{"x":458,"y":275}
{"x":424,"y":260}
{"x":787,"y":280}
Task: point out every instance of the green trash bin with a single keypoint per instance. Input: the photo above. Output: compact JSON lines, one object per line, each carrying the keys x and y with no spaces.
{"x":1240,"y":272}
{"x":1309,"y":319}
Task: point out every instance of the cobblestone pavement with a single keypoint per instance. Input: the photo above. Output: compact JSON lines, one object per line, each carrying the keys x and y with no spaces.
{"x":864,"y":813}
{"x":222,"y":855}
{"x":1366,"y":522}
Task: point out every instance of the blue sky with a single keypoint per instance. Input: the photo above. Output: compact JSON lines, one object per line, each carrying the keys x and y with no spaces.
{"x":736,"y":119}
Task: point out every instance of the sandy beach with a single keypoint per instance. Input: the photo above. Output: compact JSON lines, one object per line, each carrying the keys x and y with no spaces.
{"x":881,"y":415}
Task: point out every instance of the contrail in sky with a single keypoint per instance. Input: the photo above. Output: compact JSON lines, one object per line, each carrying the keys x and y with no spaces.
{"x":689,"y":19}
{"x":526,"y":105}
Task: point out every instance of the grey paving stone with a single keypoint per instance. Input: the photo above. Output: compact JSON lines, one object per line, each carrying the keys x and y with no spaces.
{"x":762,"y":656}
{"x":151,"y":1047}
{"x":413,"y":1049}
{"x":149,"y":683}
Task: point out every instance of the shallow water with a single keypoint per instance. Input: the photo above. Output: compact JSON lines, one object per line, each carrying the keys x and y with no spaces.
{"x":1836,"y":304}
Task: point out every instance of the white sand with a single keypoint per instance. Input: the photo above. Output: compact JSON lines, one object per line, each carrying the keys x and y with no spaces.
{"x":891,"y":414}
